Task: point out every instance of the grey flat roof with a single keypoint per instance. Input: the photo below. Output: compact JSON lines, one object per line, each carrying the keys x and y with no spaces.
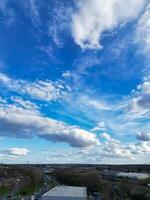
{"x":67,"y":191}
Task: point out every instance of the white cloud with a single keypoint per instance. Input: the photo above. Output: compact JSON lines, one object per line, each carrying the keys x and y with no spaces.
{"x":141,"y":148}
{"x":66,"y":74}
{"x":26,"y":104}
{"x":136,"y":107}
{"x":59,"y":22}
{"x":114,"y":148}
{"x":106,"y":136}
{"x":43,"y":90}
{"x":143,"y":136}
{"x":16,"y":121}
{"x":109,"y":151}
{"x":2,"y":100}
{"x":15,"y":151}
{"x":145,"y":86}
{"x":4,"y":79}
{"x":95,"y":103}
{"x":101,"y":126}
{"x":113,"y":151}
{"x":142,"y":33}
{"x":139,"y":104}
{"x":93,"y":18}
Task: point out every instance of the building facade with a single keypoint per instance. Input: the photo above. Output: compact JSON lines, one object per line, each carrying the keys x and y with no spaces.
{"x":66,"y":193}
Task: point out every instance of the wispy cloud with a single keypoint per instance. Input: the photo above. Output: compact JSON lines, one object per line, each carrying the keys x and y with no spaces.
{"x":98,"y":104}
{"x":142,"y":32}
{"x":139,"y":104}
{"x":122,"y":116}
{"x":7,"y":13}
{"x":101,"y":126}
{"x":59,"y":25}
{"x":32,"y":11}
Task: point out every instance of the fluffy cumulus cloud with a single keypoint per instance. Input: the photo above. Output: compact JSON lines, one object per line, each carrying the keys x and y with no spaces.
{"x":106,"y":136}
{"x":17,"y":121}
{"x":93,"y":18}
{"x":112,"y":150}
{"x":101,"y":126}
{"x":143,"y":136}
{"x":145,"y":86}
{"x":20,"y":120}
{"x":139,"y":105}
{"x":42,"y":90}
{"x":144,"y":93}
{"x":109,"y":151}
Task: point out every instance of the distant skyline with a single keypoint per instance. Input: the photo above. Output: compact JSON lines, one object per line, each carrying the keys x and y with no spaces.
{"x":75,"y":81}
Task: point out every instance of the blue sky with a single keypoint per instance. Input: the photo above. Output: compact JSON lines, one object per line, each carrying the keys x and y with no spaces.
{"x":74,"y":81}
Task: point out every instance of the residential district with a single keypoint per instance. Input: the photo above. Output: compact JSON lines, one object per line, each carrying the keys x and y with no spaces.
{"x":74,"y":182}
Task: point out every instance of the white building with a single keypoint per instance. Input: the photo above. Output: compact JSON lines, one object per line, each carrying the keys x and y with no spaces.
{"x":66,"y":193}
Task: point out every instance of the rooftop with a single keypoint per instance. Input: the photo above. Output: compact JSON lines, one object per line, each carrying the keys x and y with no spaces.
{"x":67,"y":191}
